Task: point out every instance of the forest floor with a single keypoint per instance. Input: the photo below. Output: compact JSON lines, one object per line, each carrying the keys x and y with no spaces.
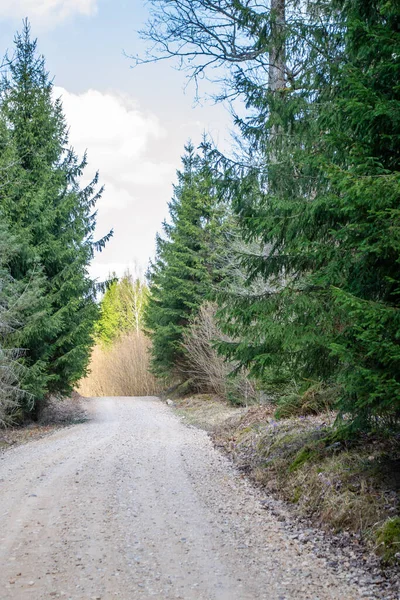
{"x":56,"y":414}
{"x":134,"y":504}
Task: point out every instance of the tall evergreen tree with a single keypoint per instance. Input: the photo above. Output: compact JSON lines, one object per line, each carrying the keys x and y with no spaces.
{"x":277,"y":58}
{"x":186,"y":268}
{"x":362,"y":160}
{"x":20,"y":310}
{"x":54,"y":220}
{"x":326,"y":214}
{"x":317,"y":192}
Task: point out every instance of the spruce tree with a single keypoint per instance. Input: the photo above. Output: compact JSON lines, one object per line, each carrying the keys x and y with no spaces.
{"x":23,"y":285}
{"x":362,"y":161}
{"x":325,"y":214}
{"x":21,"y":305}
{"x":54,"y":219}
{"x":185,"y":268}
{"x":316,"y":191}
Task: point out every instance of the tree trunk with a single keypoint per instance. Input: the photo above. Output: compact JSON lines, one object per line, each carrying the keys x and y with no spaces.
{"x":277,"y":54}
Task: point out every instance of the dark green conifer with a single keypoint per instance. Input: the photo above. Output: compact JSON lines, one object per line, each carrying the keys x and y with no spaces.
{"x":53,"y":218}
{"x":186,"y":265}
{"x":325,"y":215}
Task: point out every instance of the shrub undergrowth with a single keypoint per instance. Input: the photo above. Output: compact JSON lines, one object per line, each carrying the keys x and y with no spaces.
{"x":120,"y":370}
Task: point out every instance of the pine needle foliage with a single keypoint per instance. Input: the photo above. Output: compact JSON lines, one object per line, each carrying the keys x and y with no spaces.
{"x":16,"y":301}
{"x":316,"y":188}
{"x":322,"y":297}
{"x":364,"y":173}
{"x":53,"y":219}
{"x":187,"y":263}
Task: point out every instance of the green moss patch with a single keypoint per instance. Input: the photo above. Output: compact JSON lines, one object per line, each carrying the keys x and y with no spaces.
{"x":388,"y":541}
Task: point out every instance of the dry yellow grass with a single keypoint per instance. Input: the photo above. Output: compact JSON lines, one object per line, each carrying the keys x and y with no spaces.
{"x":342,"y":485}
{"x":207,"y":411}
{"x":121,"y":370}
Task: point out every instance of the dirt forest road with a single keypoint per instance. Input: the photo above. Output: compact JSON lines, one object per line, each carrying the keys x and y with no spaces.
{"x":134,"y":505}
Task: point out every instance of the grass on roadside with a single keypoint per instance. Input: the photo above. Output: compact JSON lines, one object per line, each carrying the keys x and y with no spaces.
{"x":342,"y":485}
{"x":349,"y":485}
{"x":206,"y":411}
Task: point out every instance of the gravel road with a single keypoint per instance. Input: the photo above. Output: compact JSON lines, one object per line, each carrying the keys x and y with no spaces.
{"x":133,"y":505}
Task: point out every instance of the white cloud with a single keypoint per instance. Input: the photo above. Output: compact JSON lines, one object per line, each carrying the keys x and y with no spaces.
{"x":109,"y":123}
{"x":128,"y":146}
{"x":45,"y":13}
{"x":137,"y":156}
{"x":117,"y":135}
{"x":157,"y":172}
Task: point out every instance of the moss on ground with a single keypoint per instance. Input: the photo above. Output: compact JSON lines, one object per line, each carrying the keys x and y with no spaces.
{"x":306,"y":454}
{"x":388,"y":540}
{"x":340,"y":483}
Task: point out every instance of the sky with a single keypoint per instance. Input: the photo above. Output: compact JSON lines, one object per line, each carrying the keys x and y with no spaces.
{"x":133,"y":122}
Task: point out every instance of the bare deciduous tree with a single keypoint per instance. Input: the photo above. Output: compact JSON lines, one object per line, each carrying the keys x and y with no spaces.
{"x":206,"y":368}
{"x":207,"y":36}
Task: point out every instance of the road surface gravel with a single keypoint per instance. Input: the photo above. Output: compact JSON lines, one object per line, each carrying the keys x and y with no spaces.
{"x":133,"y":504}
